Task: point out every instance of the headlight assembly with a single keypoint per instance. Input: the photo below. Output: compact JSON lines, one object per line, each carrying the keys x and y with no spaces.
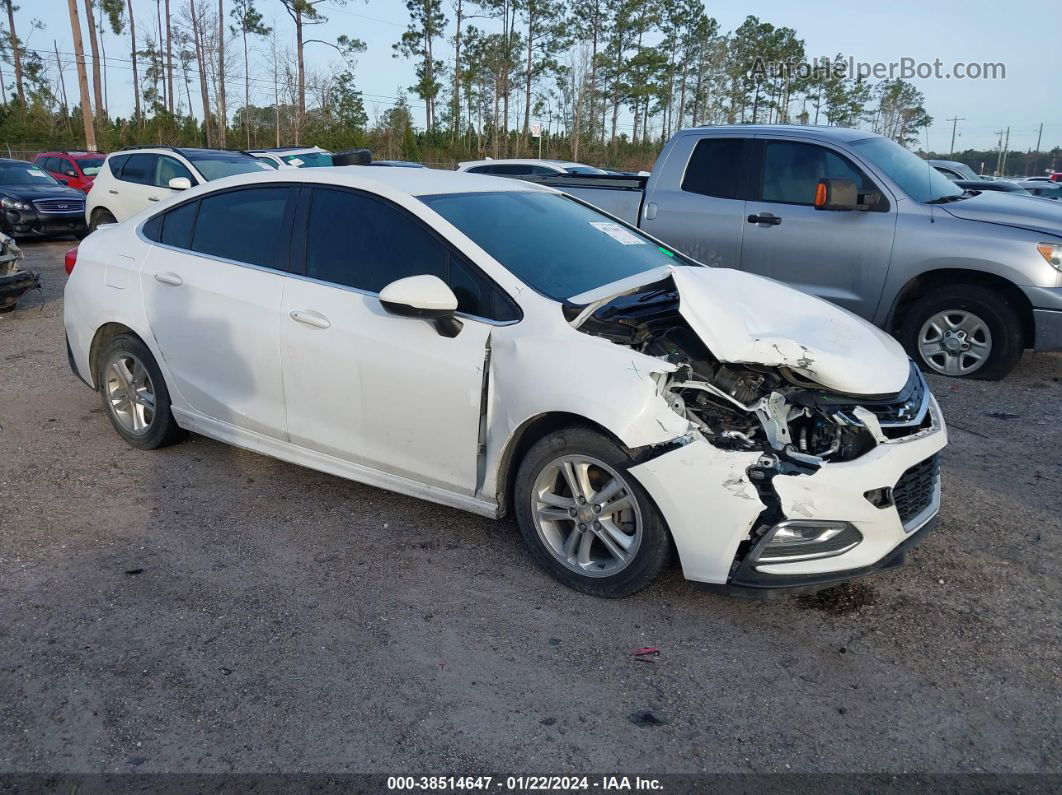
{"x":14,"y":204}
{"x":1052,"y":252}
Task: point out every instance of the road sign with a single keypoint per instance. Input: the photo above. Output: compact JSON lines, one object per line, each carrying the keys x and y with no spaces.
{"x":536,"y":130}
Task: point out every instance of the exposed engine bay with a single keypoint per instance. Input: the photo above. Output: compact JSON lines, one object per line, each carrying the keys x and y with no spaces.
{"x":750,"y":406}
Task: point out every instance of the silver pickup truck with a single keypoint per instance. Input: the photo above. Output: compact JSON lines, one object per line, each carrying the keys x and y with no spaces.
{"x":965,"y":280}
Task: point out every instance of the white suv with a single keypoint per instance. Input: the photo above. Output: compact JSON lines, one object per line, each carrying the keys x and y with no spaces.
{"x":131,"y":179}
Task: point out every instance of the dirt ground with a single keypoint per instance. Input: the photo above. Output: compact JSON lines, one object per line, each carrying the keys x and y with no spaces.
{"x":203,"y":608}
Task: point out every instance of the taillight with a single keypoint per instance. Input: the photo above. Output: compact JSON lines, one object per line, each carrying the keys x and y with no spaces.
{"x":70,"y":260}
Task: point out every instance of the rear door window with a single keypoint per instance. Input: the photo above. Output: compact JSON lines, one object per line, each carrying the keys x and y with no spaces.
{"x":716,"y":168}
{"x":139,"y":169}
{"x":248,"y":225}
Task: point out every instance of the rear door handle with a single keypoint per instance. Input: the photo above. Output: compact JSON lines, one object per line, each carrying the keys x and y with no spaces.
{"x":309,"y":318}
{"x":153,"y":198}
{"x":171,"y":279}
{"x":765,"y":218}
{"x":112,"y":190}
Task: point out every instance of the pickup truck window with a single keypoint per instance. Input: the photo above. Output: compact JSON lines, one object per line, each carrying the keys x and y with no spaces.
{"x":551,"y":242}
{"x":915,"y":177}
{"x":791,"y":172}
{"x":716,"y":168}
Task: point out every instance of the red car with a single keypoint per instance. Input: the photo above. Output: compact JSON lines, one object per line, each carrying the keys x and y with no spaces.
{"x":76,"y":169}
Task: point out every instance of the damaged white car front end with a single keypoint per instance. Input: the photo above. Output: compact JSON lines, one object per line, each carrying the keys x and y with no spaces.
{"x":810,"y":454}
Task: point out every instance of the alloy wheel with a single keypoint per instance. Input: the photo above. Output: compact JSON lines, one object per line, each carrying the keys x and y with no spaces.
{"x":955,"y":342}
{"x":587,"y":515}
{"x":130,"y":393}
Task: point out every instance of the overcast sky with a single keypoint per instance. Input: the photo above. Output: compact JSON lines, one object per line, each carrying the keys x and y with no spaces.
{"x":1022,"y":34}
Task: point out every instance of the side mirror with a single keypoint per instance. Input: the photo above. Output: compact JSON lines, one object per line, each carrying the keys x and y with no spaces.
{"x":426,"y":297}
{"x":180,"y":183}
{"x":836,"y":194}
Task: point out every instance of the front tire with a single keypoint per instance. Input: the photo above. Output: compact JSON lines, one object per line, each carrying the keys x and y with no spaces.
{"x":585,"y":519}
{"x":963,"y":331}
{"x":135,"y":395}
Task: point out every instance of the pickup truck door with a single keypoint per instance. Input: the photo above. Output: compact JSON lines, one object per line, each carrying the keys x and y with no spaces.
{"x":695,"y":200}
{"x":842,"y":257}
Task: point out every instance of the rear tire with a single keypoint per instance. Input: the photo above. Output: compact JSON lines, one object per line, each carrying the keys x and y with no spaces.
{"x":101,"y":216}
{"x":134,"y":394}
{"x":623,"y":543}
{"x":963,"y":331}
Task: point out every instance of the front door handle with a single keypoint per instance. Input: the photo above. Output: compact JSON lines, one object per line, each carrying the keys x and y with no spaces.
{"x":765,"y":218}
{"x":112,"y":190}
{"x":171,"y":279}
{"x":153,"y":198}
{"x":309,"y":318}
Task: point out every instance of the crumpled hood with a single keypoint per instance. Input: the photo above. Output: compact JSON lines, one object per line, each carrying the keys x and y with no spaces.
{"x":744,"y":318}
{"x":996,"y":207}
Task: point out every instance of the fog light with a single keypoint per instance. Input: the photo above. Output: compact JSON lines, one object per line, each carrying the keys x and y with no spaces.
{"x":808,"y":540}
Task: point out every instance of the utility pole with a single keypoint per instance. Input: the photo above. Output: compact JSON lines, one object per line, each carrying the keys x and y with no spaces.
{"x":1006,"y":150}
{"x":82,"y":76}
{"x":954,"y":123}
{"x":999,"y":151}
{"x":1036,"y":151}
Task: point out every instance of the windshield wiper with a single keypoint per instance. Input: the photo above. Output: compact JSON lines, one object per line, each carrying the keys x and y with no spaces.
{"x":966,"y":194}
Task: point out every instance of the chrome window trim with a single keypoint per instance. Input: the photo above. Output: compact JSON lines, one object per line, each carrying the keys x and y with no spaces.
{"x":288,"y":274}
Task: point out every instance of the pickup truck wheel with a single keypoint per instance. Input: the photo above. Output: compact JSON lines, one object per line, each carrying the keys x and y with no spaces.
{"x":963,"y":331}
{"x":135,"y":394}
{"x":585,"y":519}
{"x":100,"y":217}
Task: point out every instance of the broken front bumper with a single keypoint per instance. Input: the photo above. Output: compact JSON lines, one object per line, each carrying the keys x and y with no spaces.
{"x":713,"y":509}
{"x":15,"y":285}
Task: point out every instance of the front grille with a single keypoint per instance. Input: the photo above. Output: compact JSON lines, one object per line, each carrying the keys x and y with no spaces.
{"x":916,"y":489}
{"x":57,"y":206}
{"x":902,"y":415}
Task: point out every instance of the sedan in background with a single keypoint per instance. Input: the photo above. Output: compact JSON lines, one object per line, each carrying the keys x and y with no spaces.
{"x":34,"y":204}
{"x":295,"y":156}
{"x":527,"y":168}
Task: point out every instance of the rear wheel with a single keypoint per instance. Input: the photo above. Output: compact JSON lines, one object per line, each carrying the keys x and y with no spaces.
{"x":135,"y":394}
{"x":585,"y":519}
{"x":101,"y":216}
{"x":964,"y":331}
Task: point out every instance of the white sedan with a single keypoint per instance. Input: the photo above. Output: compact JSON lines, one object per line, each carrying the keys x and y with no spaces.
{"x":499,"y":347}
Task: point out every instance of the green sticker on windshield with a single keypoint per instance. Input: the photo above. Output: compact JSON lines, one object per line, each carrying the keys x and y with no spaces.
{"x":665,"y":251}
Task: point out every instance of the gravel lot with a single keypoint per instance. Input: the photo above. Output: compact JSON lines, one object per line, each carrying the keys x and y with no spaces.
{"x":203,"y":608}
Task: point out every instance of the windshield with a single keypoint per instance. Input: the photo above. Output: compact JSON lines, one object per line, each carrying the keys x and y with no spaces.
{"x":90,"y":166}
{"x":218,"y":166}
{"x":18,"y":174}
{"x":583,"y":170}
{"x":551,"y":242}
{"x":915,"y":177}
{"x":308,"y":159}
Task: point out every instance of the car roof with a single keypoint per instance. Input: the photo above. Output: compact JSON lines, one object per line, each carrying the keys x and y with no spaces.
{"x":75,"y":155}
{"x":288,"y":150}
{"x":818,"y":131}
{"x":520,"y":161}
{"x":412,"y":181}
